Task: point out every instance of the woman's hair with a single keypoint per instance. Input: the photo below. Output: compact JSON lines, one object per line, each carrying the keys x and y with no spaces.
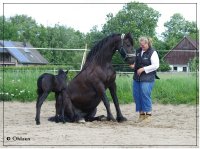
{"x":146,"y":40}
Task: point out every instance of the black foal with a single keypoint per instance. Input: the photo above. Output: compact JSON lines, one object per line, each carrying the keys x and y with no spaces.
{"x":47,"y":83}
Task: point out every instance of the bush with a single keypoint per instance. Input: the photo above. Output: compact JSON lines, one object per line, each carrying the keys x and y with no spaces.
{"x":164,"y":66}
{"x":194,"y":65}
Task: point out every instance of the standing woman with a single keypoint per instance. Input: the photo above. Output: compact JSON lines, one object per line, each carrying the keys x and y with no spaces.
{"x":146,"y":64}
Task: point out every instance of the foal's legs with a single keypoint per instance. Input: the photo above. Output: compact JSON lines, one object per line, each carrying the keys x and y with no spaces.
{"x":40,"y":100}
{"x":58,"y":106}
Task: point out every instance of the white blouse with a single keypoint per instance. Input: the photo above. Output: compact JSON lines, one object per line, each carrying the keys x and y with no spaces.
{"x":154,"y":63}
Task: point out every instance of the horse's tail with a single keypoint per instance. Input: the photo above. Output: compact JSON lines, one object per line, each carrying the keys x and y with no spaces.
{"x":39,"y":85}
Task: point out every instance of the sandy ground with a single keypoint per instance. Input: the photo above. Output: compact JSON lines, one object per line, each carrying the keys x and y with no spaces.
{"x":171,"y":126}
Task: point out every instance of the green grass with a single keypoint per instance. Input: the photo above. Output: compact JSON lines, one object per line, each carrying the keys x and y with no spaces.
{"x":21,"y":85}
{"x":171,"y":88}
{"x":179,"y":88}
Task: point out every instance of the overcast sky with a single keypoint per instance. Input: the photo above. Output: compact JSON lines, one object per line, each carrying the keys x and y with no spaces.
{"x":83,"y":17}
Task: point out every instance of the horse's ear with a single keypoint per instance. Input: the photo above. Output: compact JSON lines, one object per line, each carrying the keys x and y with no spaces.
{"x":128,"y":35}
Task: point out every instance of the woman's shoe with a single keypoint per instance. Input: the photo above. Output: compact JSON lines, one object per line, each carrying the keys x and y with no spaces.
{"x":148,"y":118}
{"x":141,"y":118}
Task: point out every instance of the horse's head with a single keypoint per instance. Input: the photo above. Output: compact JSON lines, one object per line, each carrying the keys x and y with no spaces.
{"x":62,"y":74}
{"x":126,"y":48}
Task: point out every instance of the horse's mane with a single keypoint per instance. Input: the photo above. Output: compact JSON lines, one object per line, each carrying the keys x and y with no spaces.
{"x":61,"y":71}
{"x":97,"y":47}
{"x":95,"y":50}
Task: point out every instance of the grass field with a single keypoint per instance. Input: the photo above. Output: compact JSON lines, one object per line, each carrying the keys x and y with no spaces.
{"x":172,"y":88}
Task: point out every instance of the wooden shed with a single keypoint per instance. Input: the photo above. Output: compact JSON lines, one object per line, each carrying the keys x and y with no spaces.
{"x":180,"y":55}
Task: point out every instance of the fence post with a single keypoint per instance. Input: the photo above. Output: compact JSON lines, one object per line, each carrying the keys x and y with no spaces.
{"x":84,"y":57}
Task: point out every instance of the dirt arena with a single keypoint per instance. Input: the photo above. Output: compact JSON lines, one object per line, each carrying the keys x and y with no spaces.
{"x":171,"y":126}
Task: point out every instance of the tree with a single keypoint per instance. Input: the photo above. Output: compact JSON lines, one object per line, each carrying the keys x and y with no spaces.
{"x":9,"y":31}
{"x":160,"y":47}
{"x":24,"y":27}
{"x":93,"y":37}
{"x":176,"y":28}
{"x":1,"y":27}
{"x":137,"y":18}
{"x":164,"y":66}
{"x":62,"y":37}
{"x":39,"y":39}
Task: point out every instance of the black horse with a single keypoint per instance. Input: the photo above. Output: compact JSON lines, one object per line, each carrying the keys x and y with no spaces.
{"x":47,"y":83}
{"x":88,"y":88}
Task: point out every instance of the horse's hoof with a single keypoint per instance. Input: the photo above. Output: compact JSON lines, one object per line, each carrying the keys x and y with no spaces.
{"x":56,"y":119}
{"x":63,"y":121}
{"x":37,"y":121}
{"x":81,"y":121}
{"x":102,"y":118}
{"x":121,"y":119}
{"x":51,"y":119}
{"x":111,"y":119}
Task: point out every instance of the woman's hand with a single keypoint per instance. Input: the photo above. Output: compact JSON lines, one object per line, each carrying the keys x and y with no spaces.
{"x":139,"y":71}
{"x":132,"y":66}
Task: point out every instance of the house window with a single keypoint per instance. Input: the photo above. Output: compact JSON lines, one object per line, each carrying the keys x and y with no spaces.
{"x":5,"y":57}
{"x":184,"y":69}
{"x":175,"y":68}
{"x":1,"y":57}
